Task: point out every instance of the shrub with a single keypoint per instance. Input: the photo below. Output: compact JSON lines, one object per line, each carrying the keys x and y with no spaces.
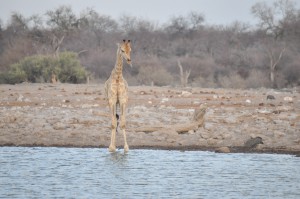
{"x":148,"y":70}
{"x":159,"y":76}
{"x":257,"y":79}
{"x":69,"y":69}
{"x":205,"y":82}
{"x":39,"y":68}
{"x":232,"y":80}
{"x":14,"y":76}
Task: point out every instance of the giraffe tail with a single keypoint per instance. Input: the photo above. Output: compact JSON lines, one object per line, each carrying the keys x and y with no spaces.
{"x":117,"y":117}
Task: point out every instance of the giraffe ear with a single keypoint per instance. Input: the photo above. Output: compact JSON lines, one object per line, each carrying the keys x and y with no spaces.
{"x":118,"y":44}
{"x":124,"y":40}
{"x":128,"y":40}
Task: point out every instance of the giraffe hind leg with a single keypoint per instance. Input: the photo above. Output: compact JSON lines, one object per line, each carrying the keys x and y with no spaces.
{"x":123,"y":126}
{"x":112,"y":146}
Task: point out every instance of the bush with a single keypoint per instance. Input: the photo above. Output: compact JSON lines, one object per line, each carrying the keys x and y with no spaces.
{"x":69,"y":69}
{"x":150,"y":70}
{"x":256,"y":79}
{"x":14,"y":76}
{"x":159,"y":76}
{"x":232,"y":80}
{"x":39,"y":68}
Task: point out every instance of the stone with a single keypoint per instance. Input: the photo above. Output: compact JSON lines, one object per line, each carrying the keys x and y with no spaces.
{"x":248,"y":101}
{"x":59,"y":126}
{"x":20,"y":98}
{"x":270,"y":97}
{"x":164,"y":100}
{"x":288,"y":99}
{"x":186,"y":94}
{"x":224,"y":149}
{"x":253,"y":142}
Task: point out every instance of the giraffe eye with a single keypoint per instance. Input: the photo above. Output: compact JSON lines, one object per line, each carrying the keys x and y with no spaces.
{"x":122,"y":51}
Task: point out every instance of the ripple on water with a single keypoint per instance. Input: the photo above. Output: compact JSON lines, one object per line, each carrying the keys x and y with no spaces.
{"x":96,"y":173}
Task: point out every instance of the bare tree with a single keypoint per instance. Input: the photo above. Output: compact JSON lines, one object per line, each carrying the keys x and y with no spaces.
{"x":275,"y":52}
{"x":272,"y":20}
{"x":273,"y":17}
{"x":55,"y":44}
{"x":62,"y":21}
{"x":184,"y":75}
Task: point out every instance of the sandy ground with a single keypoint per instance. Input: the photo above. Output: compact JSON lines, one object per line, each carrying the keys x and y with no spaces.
{"x":69,"y":115}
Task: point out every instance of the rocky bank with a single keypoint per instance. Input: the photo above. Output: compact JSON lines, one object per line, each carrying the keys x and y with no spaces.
{"x":69,"y":115}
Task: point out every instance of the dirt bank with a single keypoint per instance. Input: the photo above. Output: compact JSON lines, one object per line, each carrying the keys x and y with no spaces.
{"x":77,"y":116}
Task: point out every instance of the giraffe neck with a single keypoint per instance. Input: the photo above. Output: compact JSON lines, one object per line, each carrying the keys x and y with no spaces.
{"x":119,"y":64}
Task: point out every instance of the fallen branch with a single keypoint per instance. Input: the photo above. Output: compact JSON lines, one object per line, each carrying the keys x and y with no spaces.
{"x":197,"y":121}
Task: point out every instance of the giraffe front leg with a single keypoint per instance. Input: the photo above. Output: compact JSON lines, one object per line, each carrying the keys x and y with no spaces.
{"x":112,"y":146}
{"x":123,"y":126}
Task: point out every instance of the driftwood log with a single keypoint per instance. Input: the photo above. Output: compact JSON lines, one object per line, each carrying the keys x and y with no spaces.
{"x":197,"y":121}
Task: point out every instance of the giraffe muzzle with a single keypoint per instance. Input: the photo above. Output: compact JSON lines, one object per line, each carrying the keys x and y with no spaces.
{"x":129,"y":62}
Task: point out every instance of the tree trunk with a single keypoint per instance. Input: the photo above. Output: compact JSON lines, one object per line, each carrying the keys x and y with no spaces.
{"x":272,"y":78}
{"x":184,"y":76}
{"x":197,"y":121}
{"x":273,"y":63}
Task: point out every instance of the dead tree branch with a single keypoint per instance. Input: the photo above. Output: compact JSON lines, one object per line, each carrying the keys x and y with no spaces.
{"x":197,"y":121}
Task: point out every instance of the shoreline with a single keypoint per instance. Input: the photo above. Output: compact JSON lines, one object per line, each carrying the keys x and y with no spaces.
{"x":172,"y":148}
{"x":72,"y":115}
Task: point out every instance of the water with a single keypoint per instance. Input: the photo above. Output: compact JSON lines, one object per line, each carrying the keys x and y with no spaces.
{"x":96,"y":173}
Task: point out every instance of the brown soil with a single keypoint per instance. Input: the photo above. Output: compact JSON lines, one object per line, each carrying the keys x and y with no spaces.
{"x":69,"y":115}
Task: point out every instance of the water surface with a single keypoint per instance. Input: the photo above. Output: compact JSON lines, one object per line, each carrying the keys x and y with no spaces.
{"x":96,"y":173}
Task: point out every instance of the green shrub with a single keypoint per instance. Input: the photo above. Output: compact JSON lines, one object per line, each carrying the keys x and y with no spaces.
{"x":15,"y":75}
{"x":70,"y":69}
{"x":39,"y":68}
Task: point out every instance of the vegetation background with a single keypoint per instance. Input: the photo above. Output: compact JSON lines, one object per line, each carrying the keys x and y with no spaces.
{"x":184,"y":51}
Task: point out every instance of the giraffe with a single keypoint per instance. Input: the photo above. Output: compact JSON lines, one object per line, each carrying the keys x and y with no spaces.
{"x":116,"y":89}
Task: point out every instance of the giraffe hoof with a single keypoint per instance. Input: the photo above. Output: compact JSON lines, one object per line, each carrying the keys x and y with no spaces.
{"x":112,"y":148}
{"x":126,"y":148}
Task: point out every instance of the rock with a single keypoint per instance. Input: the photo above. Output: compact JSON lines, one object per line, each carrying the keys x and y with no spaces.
{"x":253,"y":142}
{"x":20,"y":98}
{"x":288,"y":99}
{"x":186,"y":94}
{"x":59,"y":126}
{"x":163,"y":100}
{"x":265,"y":111}
{"x":248,"y":101}
{"x":270,"y":97}
{"x":196,"y":102}
{"x":224,"y":149}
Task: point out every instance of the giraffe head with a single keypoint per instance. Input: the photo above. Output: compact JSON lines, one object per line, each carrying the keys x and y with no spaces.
{"x":125,"y":51}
